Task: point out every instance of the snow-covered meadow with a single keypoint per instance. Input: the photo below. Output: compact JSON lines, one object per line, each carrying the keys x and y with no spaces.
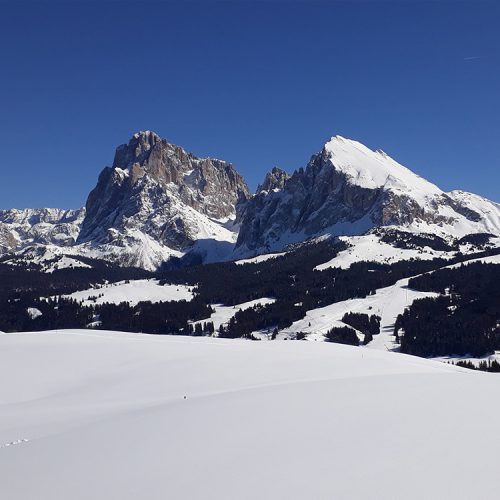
{"x":222,"y":314}
{"x":133,"y":292}
{"x":386,"y":303}
{"x":107,"y":415}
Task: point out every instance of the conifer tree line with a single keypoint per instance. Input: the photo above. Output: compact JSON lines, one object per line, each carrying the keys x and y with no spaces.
{"x":492,"y":366}
{"x":463,"y":320}
{"x":290,"y":279}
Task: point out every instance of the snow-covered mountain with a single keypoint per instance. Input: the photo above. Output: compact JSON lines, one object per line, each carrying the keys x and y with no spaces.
{"x":348,"y":189}
{"x":158,"y":201}
{"x":44,"y":226}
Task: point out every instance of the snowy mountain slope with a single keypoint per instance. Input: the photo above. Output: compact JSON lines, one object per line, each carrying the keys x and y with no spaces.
{"x":129,"y":416}
{"x":489,"y":211}
{"x":375,"y":169}
{"x":132,"y":292}
{"x":370,"y":247}
{"x":48,"y":257}
{"x":44,"y":226}
{"x":158,"y":195}
{"x":348,"y":190}
{"x":492,"y":259}
{"x":259,"y":258}
{"x":158,"y":202}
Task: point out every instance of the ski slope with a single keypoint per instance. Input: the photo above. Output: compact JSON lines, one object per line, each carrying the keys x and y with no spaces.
{"x":223,"y":313}
{"x":386,"y":302}
{"x":107,"y":415}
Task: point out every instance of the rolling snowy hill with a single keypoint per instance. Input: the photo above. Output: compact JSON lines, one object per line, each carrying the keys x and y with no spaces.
{"x":110,"y":415}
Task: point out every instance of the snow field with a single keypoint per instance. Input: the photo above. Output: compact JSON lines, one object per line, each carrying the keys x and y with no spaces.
{"x":114,"y":415}
{"x":259,"y":258}
{"x":371,"y":248}
{"x":133,"y":292}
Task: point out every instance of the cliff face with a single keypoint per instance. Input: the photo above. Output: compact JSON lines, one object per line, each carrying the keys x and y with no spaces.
{"x":347,"y":189}
{"x":158,"y":201}
{"x":274,"y":181}
{"x":156,"y":191}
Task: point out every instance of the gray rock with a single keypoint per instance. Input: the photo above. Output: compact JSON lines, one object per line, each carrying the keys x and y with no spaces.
{"x":340,"y":193}
{"x":157,"y":189}
{"x":274,"y":180}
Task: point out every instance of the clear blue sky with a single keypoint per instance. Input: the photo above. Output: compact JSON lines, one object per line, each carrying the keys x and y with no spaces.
{"x":255,"y":83}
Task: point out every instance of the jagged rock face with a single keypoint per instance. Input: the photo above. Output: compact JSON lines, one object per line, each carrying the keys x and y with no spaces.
{"x":157,"y":201}
{"x":347,"y":189}
{"x":210,"y":186}
{"x":160,"y":191}
{"x":274,"y":181}
{"x":44,"y":226}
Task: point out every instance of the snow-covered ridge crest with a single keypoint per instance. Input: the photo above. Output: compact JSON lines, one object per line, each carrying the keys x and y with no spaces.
{"x":348,"y":190}
{"x":374,"y":169}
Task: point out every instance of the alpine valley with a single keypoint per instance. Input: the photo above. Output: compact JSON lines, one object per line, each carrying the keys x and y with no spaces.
{"x":353,"y":248}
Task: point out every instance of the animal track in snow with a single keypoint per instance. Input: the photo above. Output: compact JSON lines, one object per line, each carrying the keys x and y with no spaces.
{"x":13,"y":443}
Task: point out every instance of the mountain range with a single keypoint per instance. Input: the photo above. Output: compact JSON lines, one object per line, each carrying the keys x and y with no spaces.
{"x":158,"y":203}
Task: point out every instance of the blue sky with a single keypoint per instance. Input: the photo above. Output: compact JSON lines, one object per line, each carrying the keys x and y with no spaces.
{"x":255,"y":83}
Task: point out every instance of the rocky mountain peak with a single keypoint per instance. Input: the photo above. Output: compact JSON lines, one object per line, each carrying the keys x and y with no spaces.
{"x":274,"y":180}
{"x":157,"y":192}
{"x":348,"y":189}
{"x":137,"y":150}
{"x":157,"y":201}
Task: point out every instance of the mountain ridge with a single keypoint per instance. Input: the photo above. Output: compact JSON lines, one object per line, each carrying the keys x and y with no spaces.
{"x":348,"y":189}
{"x":157,"y":202}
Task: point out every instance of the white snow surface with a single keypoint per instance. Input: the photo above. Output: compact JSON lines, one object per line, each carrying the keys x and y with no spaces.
{"x":133,"y":292}
{"x":223,"y":314}
{"x":33,"y":312}
{"x":374,"y":169}
{"x":386,"y":302}
{"x":370,"y":248}
{"x":49,"y":257}
{"x":259,"y":258}
{"x":107,"y":415}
